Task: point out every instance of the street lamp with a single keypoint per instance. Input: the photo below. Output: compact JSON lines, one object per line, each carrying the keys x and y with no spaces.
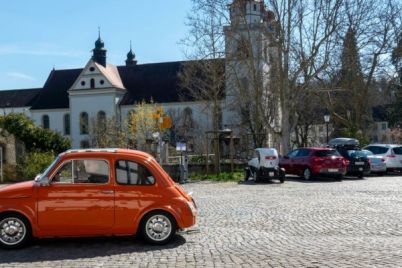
{"x":327,"y":117}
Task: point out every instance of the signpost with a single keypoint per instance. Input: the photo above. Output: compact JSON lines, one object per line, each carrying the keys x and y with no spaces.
{"x":181,"y":147}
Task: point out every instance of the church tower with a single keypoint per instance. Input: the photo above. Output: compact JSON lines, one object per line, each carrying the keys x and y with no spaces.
{"x":130,"y":60}
{"x":99,"y":52}
{"x":251,"y":57}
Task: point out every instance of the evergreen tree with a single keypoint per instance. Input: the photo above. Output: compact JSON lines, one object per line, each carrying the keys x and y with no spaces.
{"x":352,"y":101}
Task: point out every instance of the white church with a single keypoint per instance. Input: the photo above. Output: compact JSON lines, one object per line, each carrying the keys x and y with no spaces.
{"x":71,"y":97}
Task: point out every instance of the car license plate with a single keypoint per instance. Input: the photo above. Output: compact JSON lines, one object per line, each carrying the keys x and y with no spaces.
{"x":332,"y":170}
{"x":359,"y":163}
{"x":360,"y":169}
{"x":271,"y":174}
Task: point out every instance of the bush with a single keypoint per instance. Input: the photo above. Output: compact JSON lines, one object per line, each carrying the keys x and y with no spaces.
{"x":35,"y":163}
{"x":10,"y":173}
{"x":35,"y":138}
{"x":223,"y":176}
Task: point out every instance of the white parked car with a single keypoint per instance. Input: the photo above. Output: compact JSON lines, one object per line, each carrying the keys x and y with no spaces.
{"x":377,"y":162}
{"x":265,"y":166}
{"x":392,"y":154}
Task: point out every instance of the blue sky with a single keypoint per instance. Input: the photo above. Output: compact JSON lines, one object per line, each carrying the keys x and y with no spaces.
{"x":37,"y":35}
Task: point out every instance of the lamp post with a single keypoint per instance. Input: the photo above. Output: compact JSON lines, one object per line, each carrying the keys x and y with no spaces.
{"x":228,"y":131}
{"x":158,"y":139}
{"x":327,"y":117}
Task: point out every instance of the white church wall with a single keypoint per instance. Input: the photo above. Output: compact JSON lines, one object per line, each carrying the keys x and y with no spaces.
{"x":91,"y":104}
{"x":56,"y":118}
{"x":23,"y":110}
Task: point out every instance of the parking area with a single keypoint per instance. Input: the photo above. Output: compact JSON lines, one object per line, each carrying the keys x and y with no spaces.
{"x":352,"y":223}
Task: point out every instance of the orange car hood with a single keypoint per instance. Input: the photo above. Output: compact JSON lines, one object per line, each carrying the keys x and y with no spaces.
{"x":17,"y":190}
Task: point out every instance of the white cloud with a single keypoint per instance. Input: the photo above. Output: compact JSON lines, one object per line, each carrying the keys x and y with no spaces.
{"x":20,"y":76}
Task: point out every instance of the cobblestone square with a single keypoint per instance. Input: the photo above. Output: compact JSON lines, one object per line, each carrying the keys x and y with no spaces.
{"x":353,"y":223}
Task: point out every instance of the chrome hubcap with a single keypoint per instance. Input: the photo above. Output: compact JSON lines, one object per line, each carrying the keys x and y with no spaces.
{"x":307,"y":174}
{"x":12,"y":231}
{"x":158,"y":227}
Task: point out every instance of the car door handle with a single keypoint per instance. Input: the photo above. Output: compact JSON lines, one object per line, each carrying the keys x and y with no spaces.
{"x":107,"y":192}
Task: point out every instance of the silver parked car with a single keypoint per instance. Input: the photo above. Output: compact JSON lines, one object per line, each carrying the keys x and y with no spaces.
{"x":377,"y":162}
{"x":392,"y":154}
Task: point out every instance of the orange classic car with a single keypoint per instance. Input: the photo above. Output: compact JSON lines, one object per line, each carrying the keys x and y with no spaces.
{"x":103,"y":192}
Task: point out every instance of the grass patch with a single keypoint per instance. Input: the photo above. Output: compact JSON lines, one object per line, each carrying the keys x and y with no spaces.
{"x":223,"y":176}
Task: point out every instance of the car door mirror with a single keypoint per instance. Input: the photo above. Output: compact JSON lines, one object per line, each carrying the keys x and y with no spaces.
{"x":44,"y":182}
{"x":286,"y":157}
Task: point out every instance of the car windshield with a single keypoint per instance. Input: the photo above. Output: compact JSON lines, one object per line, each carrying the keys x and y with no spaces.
{"x":367,"y":152}
{"x":49,"y":168}
{"x":355,"y":153}
{"x":325,"y":153}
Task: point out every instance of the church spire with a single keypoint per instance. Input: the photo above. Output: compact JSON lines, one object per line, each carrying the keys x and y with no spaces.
{"x":99,"y":52}
{"x":130,"y":61}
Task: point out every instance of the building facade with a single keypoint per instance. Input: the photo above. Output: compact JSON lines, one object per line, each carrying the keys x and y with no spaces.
{"x":71,"y":98}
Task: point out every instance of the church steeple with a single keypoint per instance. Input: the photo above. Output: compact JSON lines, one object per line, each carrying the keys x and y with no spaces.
{"x":130,"y":61}
{"x":99,"y":52}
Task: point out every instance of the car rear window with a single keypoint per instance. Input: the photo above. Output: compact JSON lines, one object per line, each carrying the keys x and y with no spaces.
{"x":355,"y":153}
{"x":132,"y":173}
{"x":377,"y":149}
{"x":397,"y":150}
{"x":325,"y":153}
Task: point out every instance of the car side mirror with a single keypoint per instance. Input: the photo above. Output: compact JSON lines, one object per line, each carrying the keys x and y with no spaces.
{"x":44,"y":182}
{"x":286,"y":157}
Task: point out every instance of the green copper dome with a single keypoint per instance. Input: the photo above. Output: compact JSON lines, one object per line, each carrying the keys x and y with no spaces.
{"x":130,"y":55}
{"x":99,"y":44}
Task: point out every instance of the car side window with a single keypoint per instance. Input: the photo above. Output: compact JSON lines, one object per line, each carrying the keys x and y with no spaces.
{"x":293,"y":153}
{"x":303,"y":152}
{"x":83,"y":171}
{"x":132,"y":173}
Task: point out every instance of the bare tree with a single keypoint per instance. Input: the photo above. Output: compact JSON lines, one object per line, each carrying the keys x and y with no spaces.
{"x":107,"y":133}
{"x":203,"y":77}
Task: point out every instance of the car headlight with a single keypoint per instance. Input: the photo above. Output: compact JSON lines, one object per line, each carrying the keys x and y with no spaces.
{"x":192,"y":208}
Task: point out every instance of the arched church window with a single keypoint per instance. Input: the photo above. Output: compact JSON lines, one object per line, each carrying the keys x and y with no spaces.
{"x":45,"y":121}
{"x":92,"y":83}
{"x":101,"y":119}
{"x":67,"y":124}
{"x":83,"y":123}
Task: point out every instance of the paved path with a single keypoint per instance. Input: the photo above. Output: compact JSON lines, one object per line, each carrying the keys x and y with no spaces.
{"x":354,"y":223}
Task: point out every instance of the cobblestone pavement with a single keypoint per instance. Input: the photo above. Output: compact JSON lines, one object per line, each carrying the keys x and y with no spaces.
{"x":353,"y":223}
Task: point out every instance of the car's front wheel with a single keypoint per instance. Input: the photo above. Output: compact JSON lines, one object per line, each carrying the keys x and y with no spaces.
{"x":15,"y":231}
{"x":307,"y":174}
{"x":158,"y":228}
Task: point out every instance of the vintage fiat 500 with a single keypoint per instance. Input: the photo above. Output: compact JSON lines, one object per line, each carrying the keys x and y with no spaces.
{"x":104,"y":192}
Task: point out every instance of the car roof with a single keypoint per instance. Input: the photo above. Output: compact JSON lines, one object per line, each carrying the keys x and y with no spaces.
{"x":103,"y":151}
{"x":267,"y":150}
{"x":384,"y":145}
{"x":318,"y":148}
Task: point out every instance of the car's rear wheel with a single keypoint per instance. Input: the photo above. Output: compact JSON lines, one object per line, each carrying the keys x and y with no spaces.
{"x":158,"y":228}
{"x":307,"y":174}
{"x":339,"y":177}
{"x":15,"y":231}
{"x":247,"y":174}
{"x":256,"y":175}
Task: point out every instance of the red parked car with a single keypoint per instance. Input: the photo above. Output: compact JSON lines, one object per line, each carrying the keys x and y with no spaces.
{"x":310,"y":162}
